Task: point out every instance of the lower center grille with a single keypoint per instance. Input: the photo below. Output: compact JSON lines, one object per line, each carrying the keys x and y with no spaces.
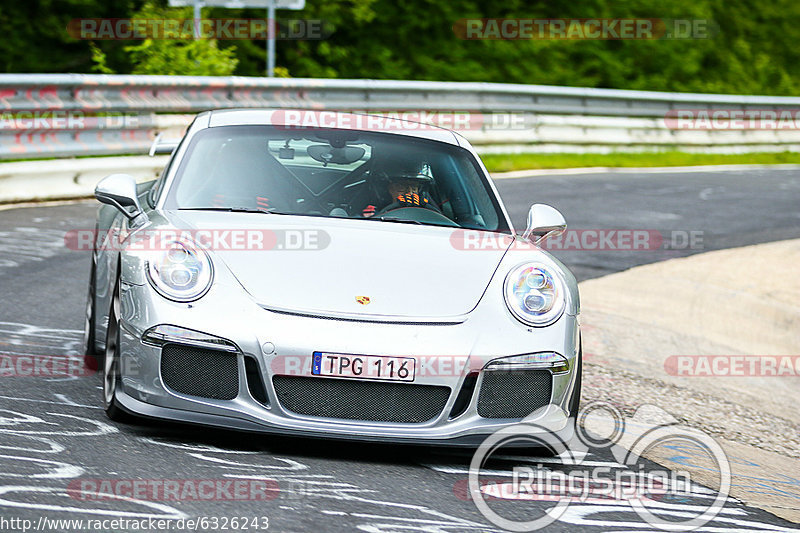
{"x":360,"y":400}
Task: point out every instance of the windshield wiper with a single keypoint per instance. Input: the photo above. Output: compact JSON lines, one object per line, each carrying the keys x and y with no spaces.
{"x":232,"y":210}
{"x":237,"y":209}
{"x":399,"y":220}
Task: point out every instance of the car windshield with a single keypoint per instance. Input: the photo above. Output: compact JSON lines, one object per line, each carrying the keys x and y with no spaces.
{"x":334,"y":173}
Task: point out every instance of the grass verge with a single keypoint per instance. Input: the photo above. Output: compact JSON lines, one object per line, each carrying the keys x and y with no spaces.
{"x":508,"y":162}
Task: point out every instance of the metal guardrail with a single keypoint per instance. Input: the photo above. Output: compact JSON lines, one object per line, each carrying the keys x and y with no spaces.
{"x":557,"y":118}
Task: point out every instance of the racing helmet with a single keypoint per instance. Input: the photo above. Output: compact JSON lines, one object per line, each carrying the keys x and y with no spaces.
{"x":406,"y":174}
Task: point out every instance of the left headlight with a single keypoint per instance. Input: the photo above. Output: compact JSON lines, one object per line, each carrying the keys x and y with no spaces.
{"x":183,"y":272}
{"x":534,"y":294}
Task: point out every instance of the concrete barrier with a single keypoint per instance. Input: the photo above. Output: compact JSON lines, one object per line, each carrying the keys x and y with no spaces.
{"x":69,"y":178}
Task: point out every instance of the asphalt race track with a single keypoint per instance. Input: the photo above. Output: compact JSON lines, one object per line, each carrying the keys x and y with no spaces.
{"x":730,"y":209}
{"x":54,"y":434}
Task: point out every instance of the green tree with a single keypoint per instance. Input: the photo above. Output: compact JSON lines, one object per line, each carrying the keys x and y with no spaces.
{"x":35,"y":36}
{"x":753,"y":51}
{"x":186,"y":57}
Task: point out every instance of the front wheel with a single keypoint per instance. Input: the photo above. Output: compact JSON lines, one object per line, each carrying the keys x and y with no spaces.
{"x":111,"y":375}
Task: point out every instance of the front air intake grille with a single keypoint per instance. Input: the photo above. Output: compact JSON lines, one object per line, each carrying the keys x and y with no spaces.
{"x":514,"y":393}
{"x":200,"y":372}
{"x":464,"y":396}
{"x":255,"y":383}
{"x":360,"y":400}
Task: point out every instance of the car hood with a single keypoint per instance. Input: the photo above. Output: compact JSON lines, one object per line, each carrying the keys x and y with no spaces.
{"x":358,"y":268}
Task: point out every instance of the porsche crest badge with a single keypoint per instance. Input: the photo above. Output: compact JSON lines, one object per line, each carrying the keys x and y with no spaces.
{"x":363,"y":300}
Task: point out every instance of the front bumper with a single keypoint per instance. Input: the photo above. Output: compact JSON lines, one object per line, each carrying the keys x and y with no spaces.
{"x":485,"y":334}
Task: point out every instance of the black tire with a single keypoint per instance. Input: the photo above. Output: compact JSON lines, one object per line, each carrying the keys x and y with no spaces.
{"x":110,"y":371}
{"x":91,"y":355}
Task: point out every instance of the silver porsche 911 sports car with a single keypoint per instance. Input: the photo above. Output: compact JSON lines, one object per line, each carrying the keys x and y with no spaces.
{"x":334,"y":276}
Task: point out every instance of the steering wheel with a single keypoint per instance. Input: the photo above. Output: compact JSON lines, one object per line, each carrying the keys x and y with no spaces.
{"x":416,"y":214}
{"x":394,"y":206}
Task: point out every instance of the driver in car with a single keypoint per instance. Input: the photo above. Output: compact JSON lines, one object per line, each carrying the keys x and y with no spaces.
{"x":406,"y":184}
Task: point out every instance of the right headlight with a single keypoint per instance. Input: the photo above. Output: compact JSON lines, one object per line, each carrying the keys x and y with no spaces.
{"x":183,"y":272}
{"x":534,"y":294}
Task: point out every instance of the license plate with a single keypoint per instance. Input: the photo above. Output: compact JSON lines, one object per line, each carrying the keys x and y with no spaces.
{"x":377,"y":367}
